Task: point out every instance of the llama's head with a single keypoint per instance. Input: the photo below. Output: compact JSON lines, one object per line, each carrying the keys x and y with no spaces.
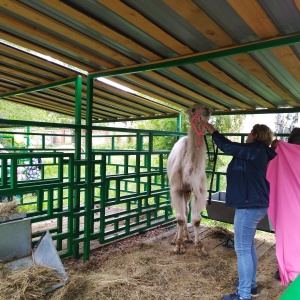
{"x":198,"y":115}
{"x":199,"y":111}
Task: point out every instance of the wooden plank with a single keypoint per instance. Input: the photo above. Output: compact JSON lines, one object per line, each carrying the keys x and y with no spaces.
{"x":13,"y":78}
{"x":35,"y":61}
{"x":211,"y":89}
{"x":15,"y":64}
{"x":24,"y":74}
{"x":255,"y":69}
{"x":257,"y":19}
{"x":262,"y":247}
{"x":56,"y":42}
{"x":154,"y":93}
{"x":63,"y":30}
{"x":141,"y":22}
{"x":101,"y":28}
{"x":45,"y":51}
{"x":189,"y":11}
{"x":143,"y":105}
{"x":145,"y":25}
{"x":37,"y":103}
{"x":185,"y":90}
{"x":297,"y":3}
{"x":218,"y":73}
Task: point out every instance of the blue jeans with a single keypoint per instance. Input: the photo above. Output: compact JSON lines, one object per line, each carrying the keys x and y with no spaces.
{"x":245,"y":224}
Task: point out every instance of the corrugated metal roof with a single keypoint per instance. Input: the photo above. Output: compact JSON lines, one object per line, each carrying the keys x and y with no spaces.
{"x":226,"y":72}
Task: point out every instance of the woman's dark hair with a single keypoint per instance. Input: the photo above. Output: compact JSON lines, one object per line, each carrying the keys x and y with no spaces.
{"x":294,"y":137}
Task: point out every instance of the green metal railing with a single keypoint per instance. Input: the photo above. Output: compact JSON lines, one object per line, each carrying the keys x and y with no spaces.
{"x":127,"y":193}
{"x":116,"y":187}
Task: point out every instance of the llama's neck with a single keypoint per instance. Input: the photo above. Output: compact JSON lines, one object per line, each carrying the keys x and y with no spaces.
{"x":196,"y":144}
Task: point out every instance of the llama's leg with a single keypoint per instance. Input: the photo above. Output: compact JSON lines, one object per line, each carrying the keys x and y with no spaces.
{"x":197,"y":206}
{"x":187,"y":236}
{"x":179,"y":205}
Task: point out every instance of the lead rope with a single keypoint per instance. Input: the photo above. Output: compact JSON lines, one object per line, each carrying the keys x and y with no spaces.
{"x":214,"y":160}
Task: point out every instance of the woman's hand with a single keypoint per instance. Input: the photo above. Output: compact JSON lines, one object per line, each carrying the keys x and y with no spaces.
{"x":210,"y":128}
{"x":274,"y":144}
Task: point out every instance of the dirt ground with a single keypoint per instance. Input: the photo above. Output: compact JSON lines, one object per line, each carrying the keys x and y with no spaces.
{"x":145,"y":267}
{"x":193,"y":275}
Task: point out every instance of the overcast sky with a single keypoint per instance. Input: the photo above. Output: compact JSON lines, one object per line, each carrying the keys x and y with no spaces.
{"x":267,"y":119}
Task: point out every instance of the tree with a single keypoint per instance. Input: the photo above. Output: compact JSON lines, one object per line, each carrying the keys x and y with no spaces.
{"x":15,"y":111}
{"x":285,"y":123}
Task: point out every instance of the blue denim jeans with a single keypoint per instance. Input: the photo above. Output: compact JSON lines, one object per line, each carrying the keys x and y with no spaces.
{"x":245,"y":224}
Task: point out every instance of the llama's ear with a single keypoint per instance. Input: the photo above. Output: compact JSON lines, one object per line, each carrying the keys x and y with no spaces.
{"x":187,"y":111}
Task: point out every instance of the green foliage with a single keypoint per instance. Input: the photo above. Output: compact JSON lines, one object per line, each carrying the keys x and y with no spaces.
{"x":14,"y":111}
{"x":161,"y":142}
{"x":228,"y":124}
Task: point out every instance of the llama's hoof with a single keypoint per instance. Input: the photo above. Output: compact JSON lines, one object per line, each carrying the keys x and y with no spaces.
{"x":202,"y":251}
{"x":189,"y":241}
{"x":179,"y":250}
{"x":201,"y":248}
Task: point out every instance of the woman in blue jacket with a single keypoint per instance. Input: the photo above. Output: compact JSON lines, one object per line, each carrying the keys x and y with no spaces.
{"x":247,"y":191}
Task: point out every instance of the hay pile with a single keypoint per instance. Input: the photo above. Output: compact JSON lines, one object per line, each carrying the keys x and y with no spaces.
{"x":8,"y":209}
{"x":28,"y":283}
{"x":152,"y":271}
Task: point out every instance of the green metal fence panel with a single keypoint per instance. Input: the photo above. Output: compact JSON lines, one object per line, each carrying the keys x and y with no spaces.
{"x":106,"y":184}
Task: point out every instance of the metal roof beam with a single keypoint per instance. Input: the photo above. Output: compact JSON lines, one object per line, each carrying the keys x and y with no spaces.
{"x":203,"y":56}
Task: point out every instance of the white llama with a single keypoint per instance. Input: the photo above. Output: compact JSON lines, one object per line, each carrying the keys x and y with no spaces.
{"x":186,"y":173}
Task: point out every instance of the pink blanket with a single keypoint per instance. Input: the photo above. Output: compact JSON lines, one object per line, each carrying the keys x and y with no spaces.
{"x":284,"y":210}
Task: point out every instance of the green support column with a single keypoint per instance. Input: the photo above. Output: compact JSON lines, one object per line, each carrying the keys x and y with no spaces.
{"x":74,"y":226}
{"x":179,"y":123}
{"x":89,"y":168}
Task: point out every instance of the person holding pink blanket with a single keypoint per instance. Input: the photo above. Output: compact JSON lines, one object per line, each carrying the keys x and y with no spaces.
{"x":284,"y":208}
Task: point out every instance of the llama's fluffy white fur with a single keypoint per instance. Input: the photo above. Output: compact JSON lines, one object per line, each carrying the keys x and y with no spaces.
{"x":186,"y":174}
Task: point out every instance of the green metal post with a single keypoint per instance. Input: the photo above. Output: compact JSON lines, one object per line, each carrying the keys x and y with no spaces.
{"x":179,"y":119}
{"x":28,"y":136}
{"x":89,"y":170}
{"x":76,"y":205}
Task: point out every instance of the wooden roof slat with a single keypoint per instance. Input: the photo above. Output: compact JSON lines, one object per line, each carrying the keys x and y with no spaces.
{"x":213,"y":90}
{"x":145,"y":25}
{"x":95,"y":25}
{"x":188,"y":10}
{"x":187,"y":91}
{"x":101,"y":29}
{"x":50,"y":38}
{"x":199,"y":20}
{"x":63,"y":30}
{"x":145,"y":102}
{"x":108,"y":36}
{"x":25,"y":74}
{"x":54,"y":41}
{"x":219,"y":74}
{"x":46,"y":51}
{"x":264,"y":76}
{"x":260,"y":23}
{"x":30,"y":59}
{"x":180,"y":102}
{"x":140,"y":103}
{"x":15,"y":64}
{"x":14,"y":78}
